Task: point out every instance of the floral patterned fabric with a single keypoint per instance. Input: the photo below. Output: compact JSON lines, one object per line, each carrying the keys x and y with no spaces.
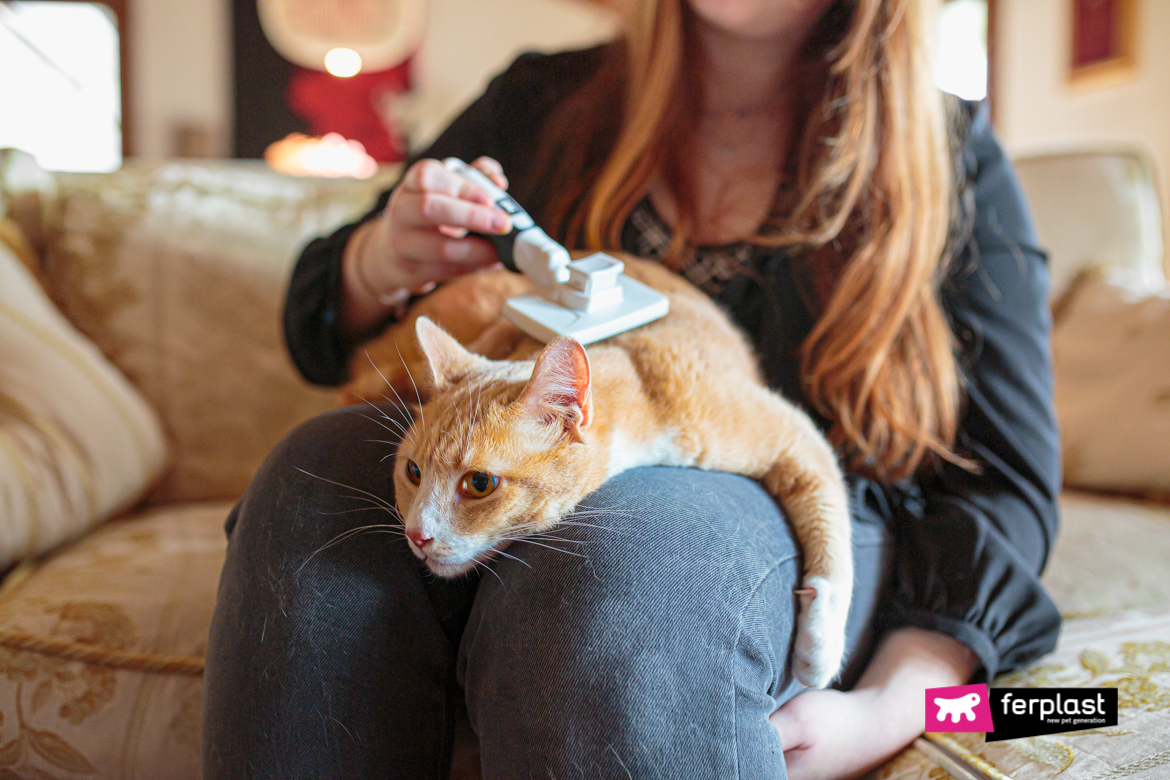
{"x":145,"y":585}
{"x":1128,"y":651}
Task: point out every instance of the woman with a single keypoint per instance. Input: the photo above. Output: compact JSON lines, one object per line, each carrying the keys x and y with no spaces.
{"x":793,"y":159}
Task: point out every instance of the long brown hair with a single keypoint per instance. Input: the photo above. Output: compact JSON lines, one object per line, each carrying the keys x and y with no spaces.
{"x":874,"y":183}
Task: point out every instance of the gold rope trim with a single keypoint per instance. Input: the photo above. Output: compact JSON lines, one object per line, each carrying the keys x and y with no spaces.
{"x":98,"y":656}
{"x":953,"y":745}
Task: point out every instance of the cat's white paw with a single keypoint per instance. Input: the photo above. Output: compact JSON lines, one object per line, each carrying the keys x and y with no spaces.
{"x":820,"y":632}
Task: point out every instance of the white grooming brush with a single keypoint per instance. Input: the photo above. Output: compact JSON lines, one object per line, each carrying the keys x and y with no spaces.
{"x":588,"y":299}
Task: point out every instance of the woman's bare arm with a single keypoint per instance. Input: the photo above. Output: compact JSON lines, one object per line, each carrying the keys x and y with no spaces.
{"x":830,"y":735}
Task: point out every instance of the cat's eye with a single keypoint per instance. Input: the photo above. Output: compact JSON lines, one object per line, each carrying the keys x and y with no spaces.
{"x":413,"y":472}
{"x":478,"y":484}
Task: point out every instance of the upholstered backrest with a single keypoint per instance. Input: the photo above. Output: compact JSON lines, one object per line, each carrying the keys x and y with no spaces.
{"x":178,"y":273}
{"x":1096,"y":208}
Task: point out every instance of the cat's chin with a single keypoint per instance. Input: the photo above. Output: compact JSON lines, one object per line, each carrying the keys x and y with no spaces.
{"x":449,"y":570}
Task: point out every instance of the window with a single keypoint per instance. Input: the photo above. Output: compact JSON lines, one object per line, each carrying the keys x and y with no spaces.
{"x":60,"y":84}
{"x":961,"y":64}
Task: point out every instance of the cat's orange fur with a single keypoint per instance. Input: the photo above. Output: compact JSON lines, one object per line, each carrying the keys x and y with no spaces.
{"x":555,"y":422}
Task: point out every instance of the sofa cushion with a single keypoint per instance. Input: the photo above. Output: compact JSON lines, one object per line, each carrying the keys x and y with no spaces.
{"x":28,"y":196}
{"x":1111,"y":351}
{"x":138,"y":587}
{"x":1110,"y":576}
{"x":77,"y":442}
{"x":178,"y":273}
{"x":1112,"y":555}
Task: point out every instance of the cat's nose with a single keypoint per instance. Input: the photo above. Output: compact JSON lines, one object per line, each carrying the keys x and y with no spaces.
{"x":420,"y":539}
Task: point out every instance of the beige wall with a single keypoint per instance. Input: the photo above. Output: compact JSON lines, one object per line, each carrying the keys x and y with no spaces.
{"x":1037,"y":108}
{"x":181,"y":70}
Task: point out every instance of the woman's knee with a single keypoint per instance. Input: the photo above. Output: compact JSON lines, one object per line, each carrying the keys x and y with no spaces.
{"x":318,"y":518}
{"x":660,"y":534}
{"x":634,"y":607}
{"x":341,"y":456}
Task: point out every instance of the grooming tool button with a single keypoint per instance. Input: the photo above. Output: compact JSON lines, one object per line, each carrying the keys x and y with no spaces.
{"x":595,"y":273}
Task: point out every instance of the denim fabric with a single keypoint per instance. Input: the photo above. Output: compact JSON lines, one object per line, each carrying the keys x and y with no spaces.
{"x":650,"y":641}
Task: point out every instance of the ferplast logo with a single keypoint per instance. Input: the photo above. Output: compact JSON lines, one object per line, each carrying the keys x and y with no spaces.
{"x":1030,"y":712}
{"x":1011,"y":713}
{"x":958,"y":708}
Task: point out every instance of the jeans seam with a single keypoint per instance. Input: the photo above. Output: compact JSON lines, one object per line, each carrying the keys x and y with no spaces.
{"x":735,"y":644}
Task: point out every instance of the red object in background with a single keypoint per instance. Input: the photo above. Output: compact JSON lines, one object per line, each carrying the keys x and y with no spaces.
{"x":1096,"y":31}
{"x":349,"y":106}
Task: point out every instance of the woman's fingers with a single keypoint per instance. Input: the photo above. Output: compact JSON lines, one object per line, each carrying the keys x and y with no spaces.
{"x":493,"y":170}
{"x":418,"y":209}
{"x":432,"y":176}
{"x":441,"y":257}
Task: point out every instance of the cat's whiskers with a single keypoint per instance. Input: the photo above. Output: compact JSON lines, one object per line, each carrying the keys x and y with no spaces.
{"x":472,"y":414}
{"x":378,"y":499}
{"x":454,"y":460}
{"x":400,"y":405}
{"x":413,"y":384}
{"x":478,"y":563}
{"x":552,"y":534}
{"x":386,"y":417}
{"x":390,"y":511}
{"x":611,"y":529}
{"x":379,"y":422}
{"x":496,"y":551}
{"x":528,"y":540}
{"x":376,"y":528}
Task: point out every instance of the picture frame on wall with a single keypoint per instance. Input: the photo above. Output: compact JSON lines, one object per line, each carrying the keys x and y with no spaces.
{"x":1102,"y":41}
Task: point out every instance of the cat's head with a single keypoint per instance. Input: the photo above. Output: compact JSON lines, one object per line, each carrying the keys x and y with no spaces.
{"x":498,"y":450}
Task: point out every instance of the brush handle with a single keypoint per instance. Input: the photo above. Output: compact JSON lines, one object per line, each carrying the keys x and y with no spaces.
{"x":526,"y":248}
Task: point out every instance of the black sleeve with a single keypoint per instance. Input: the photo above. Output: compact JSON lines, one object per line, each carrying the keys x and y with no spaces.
{"x":502,"y":123}
{"x":971,"y":547}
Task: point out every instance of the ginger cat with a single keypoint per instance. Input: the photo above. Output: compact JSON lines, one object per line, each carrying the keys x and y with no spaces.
{"x":503,"y":448}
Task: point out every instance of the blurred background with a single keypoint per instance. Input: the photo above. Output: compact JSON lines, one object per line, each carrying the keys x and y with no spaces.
{"x":304,"y":82}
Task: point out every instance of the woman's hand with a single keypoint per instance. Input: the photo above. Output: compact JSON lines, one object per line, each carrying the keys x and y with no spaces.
{"x":421,"y":238}
{"x":830,"y":735}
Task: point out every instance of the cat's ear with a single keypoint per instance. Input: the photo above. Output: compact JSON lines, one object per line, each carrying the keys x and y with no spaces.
{"x":559,"y":389}
{"x":447,"y":358}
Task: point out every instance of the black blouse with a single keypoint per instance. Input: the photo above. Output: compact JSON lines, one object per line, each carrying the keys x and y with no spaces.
{"x":968,"y":547}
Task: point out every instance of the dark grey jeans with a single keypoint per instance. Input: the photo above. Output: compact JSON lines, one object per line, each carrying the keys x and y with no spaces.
{"x":651,"y":642}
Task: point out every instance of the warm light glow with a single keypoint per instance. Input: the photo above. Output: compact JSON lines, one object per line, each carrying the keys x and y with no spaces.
{"x":331,"y":156}
{"x":343,"y":62}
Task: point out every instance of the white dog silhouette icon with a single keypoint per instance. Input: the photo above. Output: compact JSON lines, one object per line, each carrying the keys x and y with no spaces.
{"x":964,"y":705}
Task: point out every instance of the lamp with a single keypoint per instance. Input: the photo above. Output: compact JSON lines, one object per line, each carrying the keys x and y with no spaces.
{"x":344,"y":37}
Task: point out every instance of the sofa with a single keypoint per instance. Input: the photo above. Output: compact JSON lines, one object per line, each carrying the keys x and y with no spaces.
{"x":173,"y":275}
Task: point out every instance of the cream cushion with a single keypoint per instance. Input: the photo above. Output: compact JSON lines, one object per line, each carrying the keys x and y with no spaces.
{"x":1111,"y":348}
{"x":178,"y":273}
{"x":77,"y":442}
{"x":1096,"y":208}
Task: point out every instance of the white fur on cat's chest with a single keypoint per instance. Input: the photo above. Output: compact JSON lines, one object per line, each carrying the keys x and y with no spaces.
{"x":625,"y":453}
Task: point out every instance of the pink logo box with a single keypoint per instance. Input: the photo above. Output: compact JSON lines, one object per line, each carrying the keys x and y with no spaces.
{"x":959,"y":708}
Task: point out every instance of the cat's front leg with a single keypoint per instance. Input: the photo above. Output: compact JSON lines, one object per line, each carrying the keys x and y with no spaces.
{"x":807,"y":482}
{"x":819,"y":649}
